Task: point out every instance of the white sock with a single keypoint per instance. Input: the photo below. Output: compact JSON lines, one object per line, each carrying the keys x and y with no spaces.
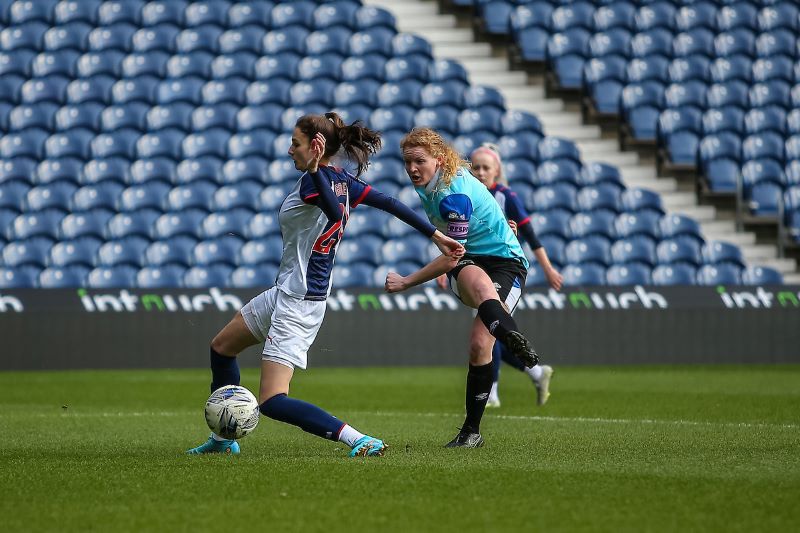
{"x":349,"y":435}
{"x":493,"y":392}
{"x":217,"y":437}
{"x":535,"y":373}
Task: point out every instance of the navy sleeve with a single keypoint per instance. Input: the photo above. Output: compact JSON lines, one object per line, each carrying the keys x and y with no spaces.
{"x":398,"y":209}
{"x":516,"y":212}
{"x":456,"y":210}
{"x":320,"y":193}
{"x":526,"y":232}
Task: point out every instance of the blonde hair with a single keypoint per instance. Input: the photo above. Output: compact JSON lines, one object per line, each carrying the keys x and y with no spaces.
{"x":494,"y":151}
{"x":438,"y":148}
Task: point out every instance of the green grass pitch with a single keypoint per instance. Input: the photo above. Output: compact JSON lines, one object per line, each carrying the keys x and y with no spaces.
{"x":616,"y":449}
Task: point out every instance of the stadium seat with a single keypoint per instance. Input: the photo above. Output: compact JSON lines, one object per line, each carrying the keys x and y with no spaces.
{"x":221,"y":250}
{"x":193,"y":65}
{"x":262,"y":225}
{"x":353,"y":275}
{"x":652,"y":43}
{"x":758,"y":275}
{"x":443,"y":119}
{"x":672,"y":226}
{"x":260,"y":251}
{"x":599,"y":197}
{"x":32,"y":251}
{"x":52,"y":195}
{"x":12,"y":194}
{"x":209,"y":12}
{"x":358,"y":68}
{"x":75,"y":144}
{"x":586,"y":274}
{"x":127,"y":11}
{"x":27,"y":36}
{"x":560,"y":196}
{"x":715,"y":252}
{"x":679,"y":250}
{"x":125,"y":251}
{"x":216,"y":275}
{"x":638,"y":223}
{"x":592,"y":249}
{"x":764,"y":199}
{"x":737,"y":15}
{"x":132,"y":224}
{"x":523,"y":145}
{"x":63,"y":277}
{"x":173,"y":224}
{"x":604,"y":78}
{"x":566,"y":54}
{"x":631,"y":274}
{"x":678,"y":132}
{"x":730,"y":93}
{"x":677,"y":274}
{"x":238,"y":195}
{"x":448,"y":70}
{"x":19,"y":278}
{"x":107,"y":277}
{"x":283,"y":67}
{"x":74,"y":252}
{"x":146,"y":171}
{"x":721,"y":274}
{"x":557,"y":171}
{"x":79,"y":11}
{"x":145,"y":196}
{"x":193,"y":195}
{"x":171,"y":251}
{"x":638,"y":249}
{"x":90,"y":217}
{"x":167,"y":276}
{"x":335,"y":15}
{"x":247,"y":276}
{"x":233,"y":66}
{"x":404,"y":93}
{"x":640,"y":106}
{"x":221,"y":223}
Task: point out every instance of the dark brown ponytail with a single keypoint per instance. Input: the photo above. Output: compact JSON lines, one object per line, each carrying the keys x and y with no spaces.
{"x":358,"y":141}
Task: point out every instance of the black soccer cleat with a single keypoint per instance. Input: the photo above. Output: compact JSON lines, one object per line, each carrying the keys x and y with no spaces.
{"x":522,"y":348}
{"x":466,"y":439}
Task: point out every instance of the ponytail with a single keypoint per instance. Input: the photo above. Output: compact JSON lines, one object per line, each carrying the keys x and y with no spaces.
{"x":357,"y":141}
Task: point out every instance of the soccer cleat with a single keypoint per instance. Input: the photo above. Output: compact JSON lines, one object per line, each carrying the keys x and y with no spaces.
{"x":543,"y":385}
{"x":493,"y":401}
{"x":466,"y":439}
{"x":367,"y":446}
{"x":216,"y":446}
{"x":521,"y":348}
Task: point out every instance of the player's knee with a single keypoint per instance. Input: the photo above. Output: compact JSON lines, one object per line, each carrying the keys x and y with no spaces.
{"x":219,"y":345}
{"x":480,"y":349}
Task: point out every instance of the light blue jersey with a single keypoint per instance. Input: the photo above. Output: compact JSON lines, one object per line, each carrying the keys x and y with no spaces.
{"x":467,"y":212}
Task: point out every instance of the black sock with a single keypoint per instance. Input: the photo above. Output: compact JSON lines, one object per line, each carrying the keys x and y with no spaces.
{"x":224,"y":370}
{"x":479,"y":384}
{"x":496,"y":319}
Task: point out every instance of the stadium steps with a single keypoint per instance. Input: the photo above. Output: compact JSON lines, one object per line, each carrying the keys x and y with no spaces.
{"x":485,"y":68}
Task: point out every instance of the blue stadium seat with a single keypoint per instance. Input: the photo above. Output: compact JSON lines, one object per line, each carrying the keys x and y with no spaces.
{"x":159,"y":38}
{"x":113,"y":12}
{"x":29,"y":143}
{"x":779,"y":15}
{"x":164,"y":143}
{"x":677,"y":274}
{"x":239,"y":195}
{"x":259,"y":251}
{"x":614,"y":42}
{"x":672,"y":226}
{"x":178,"y":90}
{"x":776,"y":67}
{"x":263,"y":225}
{"x":411,"y":248}
{"x":96,"y":196}
{"x":216,"y":275}
{"x":193,"y":65}
{"x":404,"y":93}
{"x":269,"y":92}
{"x":639,"y":249}
{"x":279,"y":171}
{"x":170,"y":12}
{"x":614,"y":15}
{"x":230,"y":90}
{"x":66,"y":277}
{"x":405,"y":68}
{"x":10,"y":88}
{"x":698,"y":41}
{"x":792,"y":147}
{"x":247,"y":276}
{"x":631,"y":274}
{"x":247,"y":39}
{"x":153,"y":277}
{"x":101,"y":63}
{"x":774,"y":43}
{"x":758,"y":171}
{"x":774,"y":92}
{"x":233,"y":66}
{"x":28,"y":36}
{"x":262,"y":117}
{"x":641,"y":105}
{"x":322,"y":67}
{"x":16,"y":63}
{"x":376,"y":41}
{"x":559,"y":196}
{"x":145,"y":196}
{"x":173,"y":224}
{"x":679,"y":250}
{"x":12,"y":194}
{"x":566,"y":54}
{"x":688,"y":93}
{"x":715,"y":252}
{"x":125,"y":251}
{"x":520,"y":145}
{"x":371,"y":17}
{"x":57,"y":63}
{"x":659,"y":14}
{"x":145,"y":171}
{"x":334,"y":40}
{"x":604,"y":79}
{"x":209,"y":12}
{"x":107,"y":277}
{"x":737,"y":15}
{"x":38,"y":90}
{"x":355,"y":93}
{"x":766,"y":145}
{"x":193,"y":195}
{"x":19,"y":278}
{"x":84,"y":11}
{"x":38,"y":116}
{"x":258,"y":144}
{"x":230,"y":222}
{"x":133,"y":224}
{"x":208,"y":143}
{"x":725,"y":69}
{"x":557,"y":171}
{"x":722,"y":274}
{"x":115,"y":37}
{"x":153,"y":63}
{"x":353,"y":275}
{"x":638,"y":223}
{"x":32,"y":251}
{"x":650,"y":68}
{"x":335,"y":15}
{"x":411,"y":45}
{"x":443,"y":119}
{"x":53,"y":195}
{"x":592,"y":249}
{"x":214,"y":117}
{"x":719,"y":157}
{"x":758,"y":275}
{"x":247,"y":13}
{"x":365,"y":222}
{"x":603,"y":196}
{"x":765,"y":119}
{"x":730,"y":119}
{"x":272,"y":197}
{"x":532,"y":43}
{"x":300,"y":13}
{"x":363,"y":68}
{"x":552,"y":148}
{"x":639,"y":199}
{"x":576,"y":14}
{"x":679,"y":133}
{"x":737,"y":41}
{"x":173,"y":116}
{"x":74,"y":252}
{"x":215,"y":251}
{"x":290,"y":39}
{"x":305,"y":93}
{"x":130,"y":116}
{"x":592,"y":223}
{"x":586,"y":274}
{"x":400,"y":118}
{"x":693,"y":67}
{"x":74,"y":143}
{"x":655,"y":42}
{"x":201,"y":39}
{"x":206,"y":169}
{"x":170,"y":251}
{"x":764,"y":199}
{"x":484,"y":96}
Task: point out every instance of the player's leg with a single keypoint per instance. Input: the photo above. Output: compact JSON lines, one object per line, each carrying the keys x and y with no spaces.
{"x":479,"y":384}
{"x":476,"y":289}
{"x":294,"y":326}
{"x":497,"y":359}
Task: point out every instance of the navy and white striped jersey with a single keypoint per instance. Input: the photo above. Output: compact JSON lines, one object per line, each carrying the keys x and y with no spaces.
{"x":309,"y":237}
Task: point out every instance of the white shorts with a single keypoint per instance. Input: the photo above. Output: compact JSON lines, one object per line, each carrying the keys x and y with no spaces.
{"x":285,"y":324}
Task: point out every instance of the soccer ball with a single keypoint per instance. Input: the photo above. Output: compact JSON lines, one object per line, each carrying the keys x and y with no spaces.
{"x":232,"y":412}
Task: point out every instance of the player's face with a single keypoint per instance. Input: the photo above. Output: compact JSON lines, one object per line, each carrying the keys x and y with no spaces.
{"x":300,"y":149}
{"x":421,"y":166}
{"x":485,"y":168}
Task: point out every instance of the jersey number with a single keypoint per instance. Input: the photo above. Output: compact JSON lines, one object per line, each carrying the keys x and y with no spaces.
{"x":327,"y":240}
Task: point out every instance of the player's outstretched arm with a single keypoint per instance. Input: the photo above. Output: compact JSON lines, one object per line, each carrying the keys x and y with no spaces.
{"x":397,"y":283}
{"x":554,"y":277}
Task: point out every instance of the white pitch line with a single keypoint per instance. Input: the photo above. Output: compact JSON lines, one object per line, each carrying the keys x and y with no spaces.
{"x":580,"y":419}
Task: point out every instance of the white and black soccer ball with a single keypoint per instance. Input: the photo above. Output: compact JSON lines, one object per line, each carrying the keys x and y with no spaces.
{"x":232,"y":412}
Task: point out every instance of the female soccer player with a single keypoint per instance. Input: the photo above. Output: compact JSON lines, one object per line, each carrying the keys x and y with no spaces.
{"x":487,"y":166}
{"x":490,"y":275}
{"x":288,"y":316}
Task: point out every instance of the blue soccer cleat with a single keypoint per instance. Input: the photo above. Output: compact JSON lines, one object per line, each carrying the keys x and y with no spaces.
{"x":366,"y":446}
{"x":216,"y":446}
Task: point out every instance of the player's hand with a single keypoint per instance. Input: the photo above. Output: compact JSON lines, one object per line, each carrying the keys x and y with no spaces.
{"x":317,"y":150}
{"x":441,"y":281}
{"x":448,"y":246}
{"x":513,"y":226}
{"x":395,"y":282}
{"x":554,"y":278}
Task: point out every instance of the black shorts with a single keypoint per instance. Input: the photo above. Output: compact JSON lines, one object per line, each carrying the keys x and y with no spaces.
{"x":508,"y":275}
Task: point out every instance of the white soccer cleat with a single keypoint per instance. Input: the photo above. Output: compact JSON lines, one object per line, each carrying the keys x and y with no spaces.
{"x":493,"y":401}
{"x":543,"y":385}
